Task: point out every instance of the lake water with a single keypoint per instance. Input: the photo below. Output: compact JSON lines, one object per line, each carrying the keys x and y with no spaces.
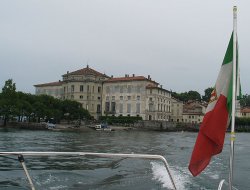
{"x":54,"y":173}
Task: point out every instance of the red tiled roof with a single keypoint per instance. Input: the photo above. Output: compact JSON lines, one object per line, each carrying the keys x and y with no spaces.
{"x":58,"y":83}
{"x":245,"y":110}
{"x":125,"y":79}
{"x":86,"y":71}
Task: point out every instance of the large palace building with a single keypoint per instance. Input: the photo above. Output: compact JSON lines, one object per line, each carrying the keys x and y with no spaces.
{"x":118,"y":96}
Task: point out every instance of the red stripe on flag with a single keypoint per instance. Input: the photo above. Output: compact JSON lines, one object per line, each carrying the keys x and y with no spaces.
{"x":211,"y":137}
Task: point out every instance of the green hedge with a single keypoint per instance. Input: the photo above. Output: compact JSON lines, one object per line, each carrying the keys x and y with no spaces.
{"x":119,"y":119}
{"x":242,"y":121}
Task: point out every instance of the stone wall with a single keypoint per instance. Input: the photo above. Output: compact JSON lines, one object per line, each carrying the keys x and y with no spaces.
{"x":164,"y":126}
{"x":26,"y":125}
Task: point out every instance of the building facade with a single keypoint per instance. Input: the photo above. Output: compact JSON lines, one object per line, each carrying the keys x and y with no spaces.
{"x":193,"y":112}
{"x":158,"y":103}
{"x":244,"y":112}
{"x":85,"y":86}
{"x":120,"y":96}
{"x":177,"y":110}
{"x":135,"y":96}
{"x":52,"y":89}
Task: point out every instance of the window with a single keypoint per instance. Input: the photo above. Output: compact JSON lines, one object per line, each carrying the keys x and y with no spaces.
{"x":98,"y":108}
{"x":72,"y":96}
{"x":88,"y":88}
{"x":99,"y":89}
{"x":117,"y":89}
{"x":151,"y":107}
{"x":72,"y":88}
{"x":107,"y":106}
{"x":138,"y":106}
{"x":121,"y":108}
{"x":129,"y":89}
{"x":113,"y":98}
{"x":107,"y":98}
{"x":107,"y":89}
{"x":93,"y":89}
{"x":138,"y":98}
{"x":81,"y":97}
{"x":128,"y":108}
{"x":121,"y":89}
{"x":121,"y":97}
{"x":81,"y":88}
{"x":113,"y":106}
{"x":129,"y":97}
{"x":150,"y":99}
{"x":99,"y":98}
{"x":138,"y":89}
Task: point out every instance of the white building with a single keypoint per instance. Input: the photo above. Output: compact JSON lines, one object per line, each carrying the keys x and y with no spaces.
{"x":104,"y":95}
{"x":177,"y":110}
{"x":52,"y":89}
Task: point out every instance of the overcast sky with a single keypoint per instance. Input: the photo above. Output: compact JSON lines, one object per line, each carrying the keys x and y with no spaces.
{"x":180,"y":43}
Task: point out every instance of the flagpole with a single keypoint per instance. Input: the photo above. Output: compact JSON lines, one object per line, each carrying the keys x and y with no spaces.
{"x":232,"y":138}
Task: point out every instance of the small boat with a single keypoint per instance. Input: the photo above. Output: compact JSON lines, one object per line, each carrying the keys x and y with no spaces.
{"x":102,"y":127}
{"x":50,"y":126}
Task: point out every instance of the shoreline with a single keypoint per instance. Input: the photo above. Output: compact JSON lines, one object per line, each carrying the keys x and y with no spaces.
{"x":89,"y":127}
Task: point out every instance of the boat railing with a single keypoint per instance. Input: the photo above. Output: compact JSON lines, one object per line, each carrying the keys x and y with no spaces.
{"x":21,"y":155}
{"x":222,"y":182}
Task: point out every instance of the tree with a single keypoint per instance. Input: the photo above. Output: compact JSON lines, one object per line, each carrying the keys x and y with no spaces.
{"x":194,"y":95}
{"x":186,"y":96}
{"x":207,"y":95}
{"x":8,"y":100}
{"x":20,"y":105}
{"x":245,"y":101}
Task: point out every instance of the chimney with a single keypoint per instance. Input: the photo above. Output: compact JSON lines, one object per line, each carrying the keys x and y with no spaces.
{"x":67,"y":72}
{"x":111,"y":76}
{"x":161,"y":86}
{"x":133,"y":75}
{"x":149,"y":77}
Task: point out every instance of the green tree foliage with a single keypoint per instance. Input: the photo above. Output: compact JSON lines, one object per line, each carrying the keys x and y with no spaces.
{"x":245,"y":101}
{"x":185,"y":96}
{"x":8,"y":100}
{"x":207,"y":93}
{"x":34,"y":108}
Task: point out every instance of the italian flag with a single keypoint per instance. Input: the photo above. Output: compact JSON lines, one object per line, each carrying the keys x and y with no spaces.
{"x":211,"y":136}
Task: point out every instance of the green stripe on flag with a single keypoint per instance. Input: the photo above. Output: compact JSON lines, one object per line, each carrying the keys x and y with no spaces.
{"x":238,"y":85}
{"x":229,"y":53}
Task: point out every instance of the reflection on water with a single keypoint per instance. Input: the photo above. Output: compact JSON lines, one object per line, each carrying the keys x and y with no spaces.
{"x":50,"y":172}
